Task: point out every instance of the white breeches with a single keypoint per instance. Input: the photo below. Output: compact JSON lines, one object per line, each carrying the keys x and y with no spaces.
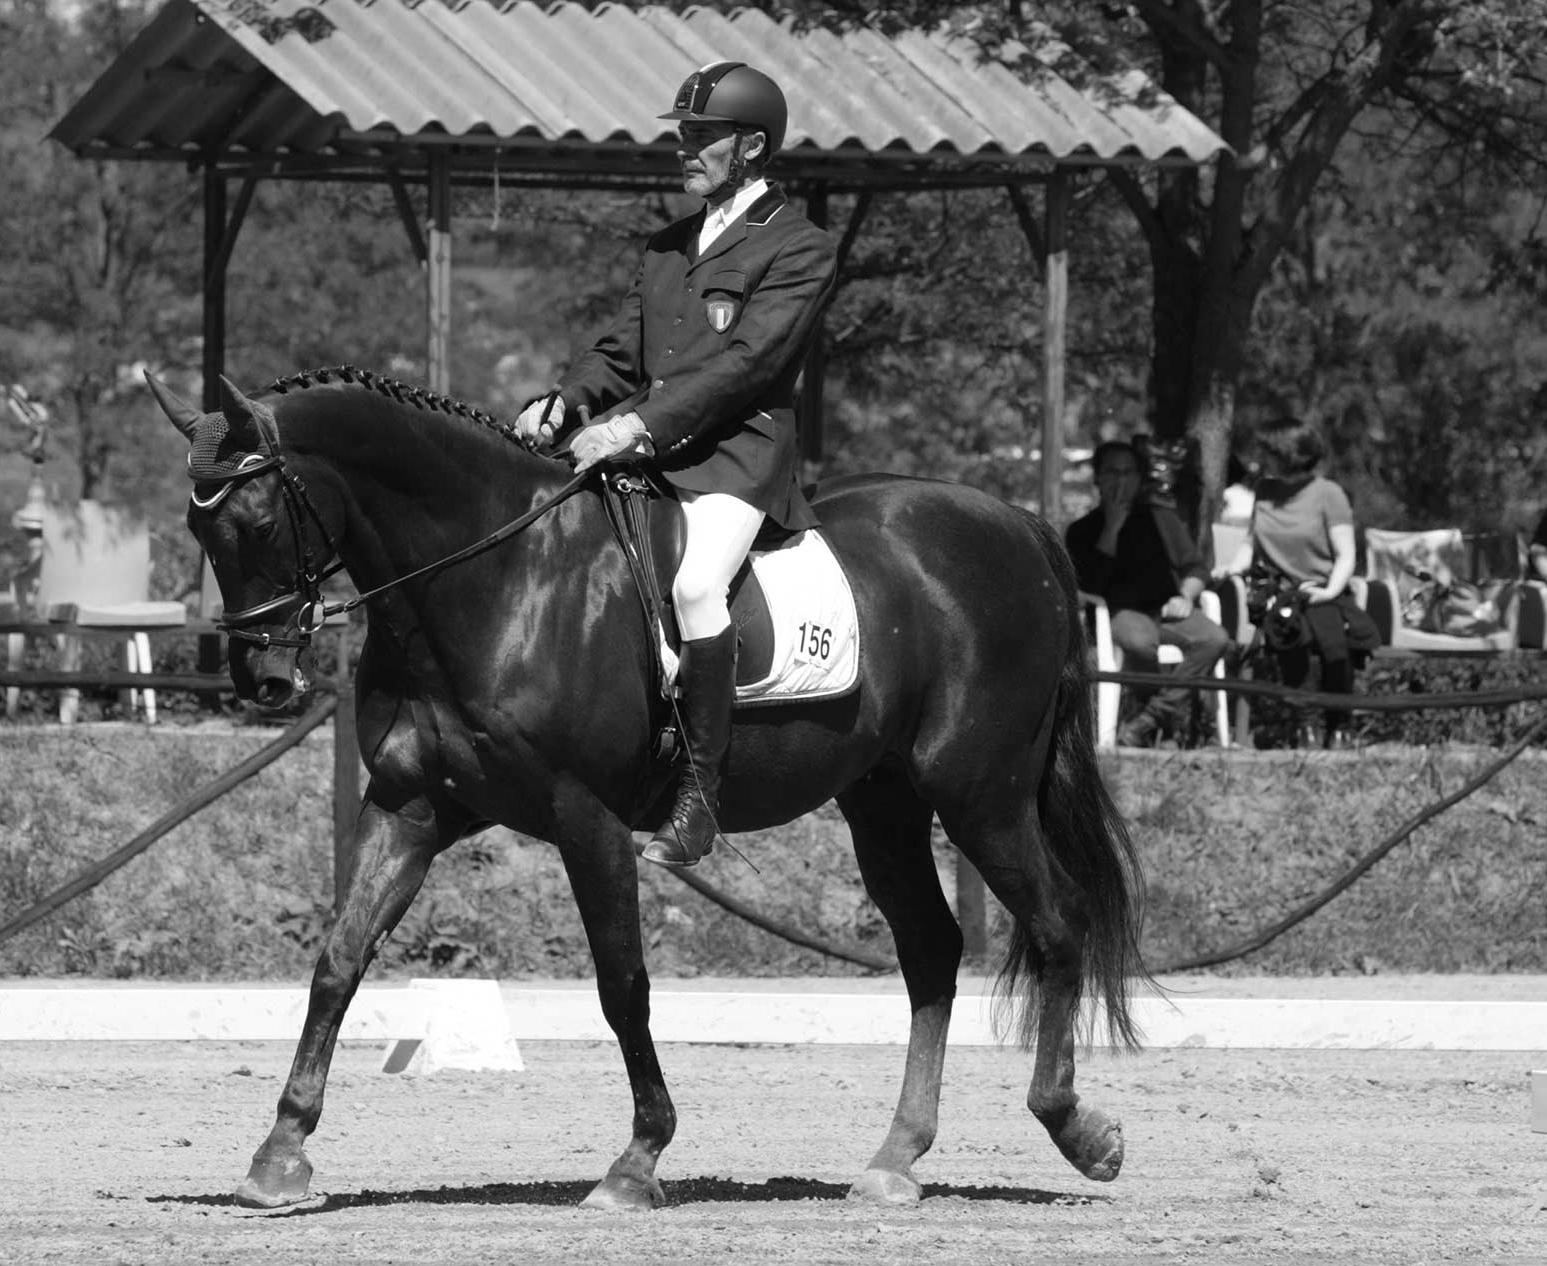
{"x":719,"y":532}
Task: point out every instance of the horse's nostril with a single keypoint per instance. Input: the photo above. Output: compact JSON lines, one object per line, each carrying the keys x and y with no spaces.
{"x":272,"y":692}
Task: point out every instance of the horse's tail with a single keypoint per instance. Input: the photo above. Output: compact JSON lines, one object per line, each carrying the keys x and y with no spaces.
{"x":1087,"y":838}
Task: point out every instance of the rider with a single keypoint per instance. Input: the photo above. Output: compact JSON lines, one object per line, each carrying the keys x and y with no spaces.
{"x":699,"y":368}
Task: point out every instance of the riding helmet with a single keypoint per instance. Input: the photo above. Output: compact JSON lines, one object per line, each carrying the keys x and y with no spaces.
{"x":732,"y":92}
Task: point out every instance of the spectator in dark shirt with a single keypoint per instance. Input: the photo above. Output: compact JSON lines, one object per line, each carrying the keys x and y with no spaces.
{"x":1141,"y":560}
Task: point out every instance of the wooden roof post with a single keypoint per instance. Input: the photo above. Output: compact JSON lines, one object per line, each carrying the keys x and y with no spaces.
{"x":1055,"y":303}
{"x":438,"y":278}
{"x":214,"y":350}
{"x":213,"y":364}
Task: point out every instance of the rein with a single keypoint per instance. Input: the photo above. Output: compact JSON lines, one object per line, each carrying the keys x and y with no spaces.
{"x":305,"y":601}
{"x":477,"y":547}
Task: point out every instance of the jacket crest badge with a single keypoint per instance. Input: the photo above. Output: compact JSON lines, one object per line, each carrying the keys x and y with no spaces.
{"x":721,"y":312}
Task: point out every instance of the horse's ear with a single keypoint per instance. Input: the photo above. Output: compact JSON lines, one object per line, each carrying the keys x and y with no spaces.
{"x":239,"y":409}
{"x":184,"y":416}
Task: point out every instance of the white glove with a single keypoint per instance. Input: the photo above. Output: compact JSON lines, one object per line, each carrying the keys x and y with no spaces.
{"x":622,"y":436}
{"x":531,"y":429}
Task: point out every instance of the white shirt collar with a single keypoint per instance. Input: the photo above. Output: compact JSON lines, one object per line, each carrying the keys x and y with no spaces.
{"x":718,"y":219}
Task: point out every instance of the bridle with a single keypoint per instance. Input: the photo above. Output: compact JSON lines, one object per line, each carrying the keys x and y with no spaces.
{"x":302,"y":607}
{"x":304,"y":603}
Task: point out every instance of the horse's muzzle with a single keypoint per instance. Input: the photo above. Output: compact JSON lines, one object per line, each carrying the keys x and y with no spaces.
{"x":271,"y":677}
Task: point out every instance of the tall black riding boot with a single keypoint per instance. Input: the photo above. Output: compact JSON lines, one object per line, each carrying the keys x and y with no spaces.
{"x":708,"y":676}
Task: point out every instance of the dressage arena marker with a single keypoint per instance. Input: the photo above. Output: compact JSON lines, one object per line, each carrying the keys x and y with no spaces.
{"x":465,"y":1026}
{"x":428,"y":1025}
{"x":1539,"y":1101}
{"x":476,"y":1024}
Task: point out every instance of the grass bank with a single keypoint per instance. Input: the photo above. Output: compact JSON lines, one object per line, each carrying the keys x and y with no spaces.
{"x":1230,"y":843}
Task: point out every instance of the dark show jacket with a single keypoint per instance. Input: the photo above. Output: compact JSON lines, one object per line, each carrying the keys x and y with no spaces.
{"x":715,"y":343}
{"x":1154,"y":555}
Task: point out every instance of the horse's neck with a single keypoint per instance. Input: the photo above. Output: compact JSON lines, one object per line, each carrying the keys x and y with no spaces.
{"x":417,"y":489}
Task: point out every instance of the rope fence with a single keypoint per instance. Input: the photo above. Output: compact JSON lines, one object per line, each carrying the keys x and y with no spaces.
{"x":1407,"y":702}
{"x":340,"y":702}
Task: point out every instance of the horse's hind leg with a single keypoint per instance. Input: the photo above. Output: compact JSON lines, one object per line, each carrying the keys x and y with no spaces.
{"x":394,"y":851}
{"x":891,"y":828}
{"x":1048,"y":947}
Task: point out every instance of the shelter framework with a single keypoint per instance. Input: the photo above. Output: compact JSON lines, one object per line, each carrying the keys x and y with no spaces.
{"x":422,"y":95}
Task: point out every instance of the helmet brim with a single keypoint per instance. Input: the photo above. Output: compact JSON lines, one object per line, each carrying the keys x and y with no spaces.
{"x":692,"y":117}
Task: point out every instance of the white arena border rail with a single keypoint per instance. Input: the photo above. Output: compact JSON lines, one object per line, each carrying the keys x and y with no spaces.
{"x":430,"y":1024}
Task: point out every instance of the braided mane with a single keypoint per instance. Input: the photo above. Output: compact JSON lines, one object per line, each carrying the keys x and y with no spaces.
{"x":406,"y":393}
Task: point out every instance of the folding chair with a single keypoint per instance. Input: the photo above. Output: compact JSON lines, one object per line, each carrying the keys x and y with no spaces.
{"x":1109,"y":659}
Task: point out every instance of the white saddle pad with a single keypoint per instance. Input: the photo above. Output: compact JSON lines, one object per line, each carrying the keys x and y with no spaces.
{"x":815,"y":626}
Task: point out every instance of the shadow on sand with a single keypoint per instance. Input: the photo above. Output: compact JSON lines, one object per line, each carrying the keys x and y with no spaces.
{"x":682,"y":1191}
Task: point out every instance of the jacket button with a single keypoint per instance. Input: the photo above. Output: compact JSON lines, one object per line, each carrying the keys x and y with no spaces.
{"x":658,"y":383}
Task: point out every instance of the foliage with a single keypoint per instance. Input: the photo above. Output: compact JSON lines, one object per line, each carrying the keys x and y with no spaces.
{"x":1359,"y":264}
{"x":934,"y":360}
{"x":1230,"y":842}
{"x":1411,"y":323}
{"x":1233,"y":845}
{"x":1286,"y":87}
{"x":1273,"y":722}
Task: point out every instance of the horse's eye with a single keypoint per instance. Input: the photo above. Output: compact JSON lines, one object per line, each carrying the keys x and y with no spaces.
{"x":267,"y":531}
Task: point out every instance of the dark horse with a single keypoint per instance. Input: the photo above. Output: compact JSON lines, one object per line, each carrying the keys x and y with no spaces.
{"x":516,"y":685}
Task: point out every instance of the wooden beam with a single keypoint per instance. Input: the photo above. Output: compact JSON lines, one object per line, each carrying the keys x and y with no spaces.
{"x":1055,"y":303}
{"x":214,"y":352}
{"x":216,"y":255}
{"x":215,"y":267}
{"x":438,"y":276}
{"x":405,"y":211}
{"x":1028,"y":223}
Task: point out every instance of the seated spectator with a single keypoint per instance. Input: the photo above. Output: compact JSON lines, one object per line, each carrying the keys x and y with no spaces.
{"x":1302,"y":530}
{"x":1140,"y":558}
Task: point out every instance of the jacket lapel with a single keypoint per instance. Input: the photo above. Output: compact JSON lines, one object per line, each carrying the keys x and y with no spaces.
{"x":757,"y":216}
{"x":733,"y":234}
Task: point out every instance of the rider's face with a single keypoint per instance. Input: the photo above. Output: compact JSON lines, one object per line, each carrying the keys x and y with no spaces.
{"x":705,"y":151}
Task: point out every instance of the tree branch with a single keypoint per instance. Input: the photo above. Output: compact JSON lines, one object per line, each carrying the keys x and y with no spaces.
{"x":1138,"y":204}
{"x":1342,"y":96}
{"x":1188,"y":22}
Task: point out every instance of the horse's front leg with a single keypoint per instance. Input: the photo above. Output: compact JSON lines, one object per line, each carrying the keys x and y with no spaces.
{"x":598,"y":854}
{"x":394,"y":849}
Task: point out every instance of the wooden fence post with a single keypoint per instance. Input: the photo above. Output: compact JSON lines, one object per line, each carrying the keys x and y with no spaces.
{"x":346,"y":767}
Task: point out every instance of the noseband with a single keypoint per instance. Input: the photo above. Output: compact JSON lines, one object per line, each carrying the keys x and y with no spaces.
{"x":303,"y":607}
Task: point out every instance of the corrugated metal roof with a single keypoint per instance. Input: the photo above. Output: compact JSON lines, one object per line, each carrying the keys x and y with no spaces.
{"x":340,"y":82}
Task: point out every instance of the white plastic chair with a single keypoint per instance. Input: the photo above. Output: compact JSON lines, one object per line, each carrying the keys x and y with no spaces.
{"x":1109,"y":659}
{"x":95,"y":574}
{"x":1441,"y":552}
{"x":1227,"y":540}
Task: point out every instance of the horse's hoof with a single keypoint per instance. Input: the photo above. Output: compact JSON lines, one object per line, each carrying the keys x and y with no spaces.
{"x":622,"y":1193}
{"x":886,"y":1186}
{"x":1093,"y":1143}
{"x":273,"y":1184}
